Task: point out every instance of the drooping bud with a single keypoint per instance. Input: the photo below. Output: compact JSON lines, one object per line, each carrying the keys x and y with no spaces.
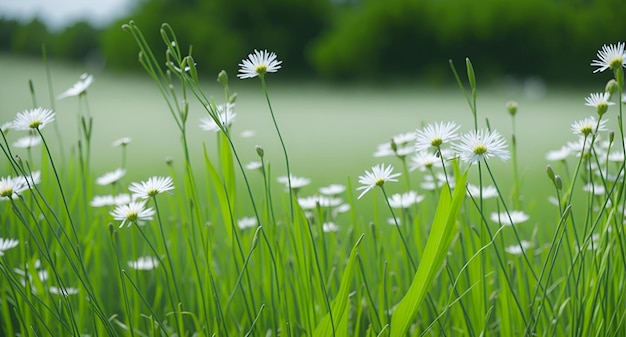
{"x":259,"y":151}
{"x":511,"y":107}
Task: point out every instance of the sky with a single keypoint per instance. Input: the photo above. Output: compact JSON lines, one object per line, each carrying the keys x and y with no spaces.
{"x":58,"y":14}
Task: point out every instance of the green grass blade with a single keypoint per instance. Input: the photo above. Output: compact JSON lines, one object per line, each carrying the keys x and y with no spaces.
{"x":439,"y":240}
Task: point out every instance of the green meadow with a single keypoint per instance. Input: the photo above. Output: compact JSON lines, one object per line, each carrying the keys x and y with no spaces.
{"x":451,"y":262}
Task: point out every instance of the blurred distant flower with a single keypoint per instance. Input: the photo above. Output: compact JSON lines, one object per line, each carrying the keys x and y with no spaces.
{"x":296,"y":182}
{"x":27,"y":142}
{"x":132,"y":213}
{"x":258,"y":64}
{"x":63,"y":291}
{"x":611,"y":56}
{"x":247,"y":133}
{"x":332,"y":189}
{"x":246,"y":222}
{"x":425,"y":160}
{"x":33,"y":119}
{"x":328,"y":227}
{"x":111,"y":178}
{"x":226,"y":117}
{"x":79,"y":87}
{"x":488,"y":191}
{"x":511,"y":218}
{"x":318,"y":200}
{"x":144,"y":263}
{"x":151,"y":187}
{"x":434,"y":136}
{"x":517,"y":249}
{"x":405,"y":200}
{"x":378,"y":176}
{"x":588,"y":126}
{"x":560,"y":154}
{"x":122,"y":141}
{"x":254,"y":165}
{"x":6,"y":244}
{"x":595,"y":189}
{"x":483,"y":144}
{"x":6,"y":126}
{"x":11,"y":187}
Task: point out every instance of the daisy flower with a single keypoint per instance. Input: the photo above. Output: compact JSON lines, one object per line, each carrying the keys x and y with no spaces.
{"x":318,"y":200}
{"x":6,"y":126}
{"x":296,"y":182}
{"x":332,"y":189}
{"x":258,"y":64}
{"x":405,"y":200}
{"x":79,"y":87}
{"x":254,"y":165}
{"x":27,"y":142}
{"x":111,"y":178}
{"x":63,"y":291}
{"x":122,"y":141}
{"x":6,"y":244}
{"x":328,"y":227}
{"x":246,"y":222}
{"x":600,"y":101}
{"x":247,"y":133}
{"x":517,"y":249}
{"x":11,"y":187}
{"x":516,"y":217}
{"x":376,"y":177}
{"x":611,"y":56}
{"x":489,"y":191}
{"x":558,"y":155}
{"x":33,"y":119}
{"x":434,"y":136}
{"x":144,"y":263}
{"x":483,"y":144}
{"x":151,"y":187}
{"x":132,"y":213}
{"x":225,"y":115}
{"x":424,"y":160}
{"x":588,"y":126}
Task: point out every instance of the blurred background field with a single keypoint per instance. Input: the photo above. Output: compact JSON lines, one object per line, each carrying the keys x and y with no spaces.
{"x":354,"y":74}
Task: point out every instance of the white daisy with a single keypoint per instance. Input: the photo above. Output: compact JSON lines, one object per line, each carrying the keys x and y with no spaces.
{"x":258,"y":64}
{"x":63,"y":291}
{"x":483,"y":144}
{"x":405,"y":200}
{"x":611,"y":56}
{"x":6,"y":244}
{"x":6,"y":126}
{"x":384,"y":150}
{"x":122,"y":141}
{"x":332,"y":189}
{"x":434,"y":136}
{"x":102,"y":201}
{"x":516,"y":217}
{"x":489,"y":191}
{"x":132,"y":213}
{"x":254,"y":165}
{"x":11,"y":187}
{"x":318,"y":201}
{"x":79,"y":87}
{"x":424,"y":160}
{"x":27,"y":142}
{"x":377,"y":177}
{"x":430,"y":183}
{"x":595,"y":189}
{"x":340,"y":209}
{"x":246,"y":222}
{"x":111,"y":178}
{"x":151,"y":187}
{"x":517,"y":248}
{"x":247,"y":133}
{"x":558,"y":155}
{"x":296,"y":182}
{"x":33,"y":119}
{"x":144,"y":263}
{"x":600,"y":101}
{"x":616,"y":156}
{"x":588,"y":126}
{"x":328,"y":227}
{"x":226,"y":117}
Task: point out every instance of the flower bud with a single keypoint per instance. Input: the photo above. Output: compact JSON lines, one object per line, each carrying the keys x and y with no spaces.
{"x":222,"y":77}
{"x":550,"y":172}
{"x":511,"y":107}
{"x":259,"y":151}
{"x":558,"y":182}
{"x":611,"y":87}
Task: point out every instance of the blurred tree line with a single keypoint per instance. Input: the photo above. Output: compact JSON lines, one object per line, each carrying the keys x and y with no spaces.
{"x":354,"y":39}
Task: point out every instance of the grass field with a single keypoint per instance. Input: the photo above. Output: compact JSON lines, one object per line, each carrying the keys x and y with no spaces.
{"x":443,"y":267}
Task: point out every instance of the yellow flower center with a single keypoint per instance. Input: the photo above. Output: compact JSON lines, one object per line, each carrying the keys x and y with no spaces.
{"x":34,"y":124}
{"x":152,"y":192}
{"x":586,"y":130}
{"x":132,"y":216}
{"x":480,"y":150}
{"x":7,"y":192}
{"x":436,"y":142}
{"x":601,"y":108}
{"x":380,"y":182}
{"x":616,"y":62}
{"x":261,"y":69}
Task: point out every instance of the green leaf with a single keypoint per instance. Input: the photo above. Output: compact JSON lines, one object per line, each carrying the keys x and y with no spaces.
{"x":222,"y":196}
{"x":439,"y":240}
{"x":339,"y":307}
